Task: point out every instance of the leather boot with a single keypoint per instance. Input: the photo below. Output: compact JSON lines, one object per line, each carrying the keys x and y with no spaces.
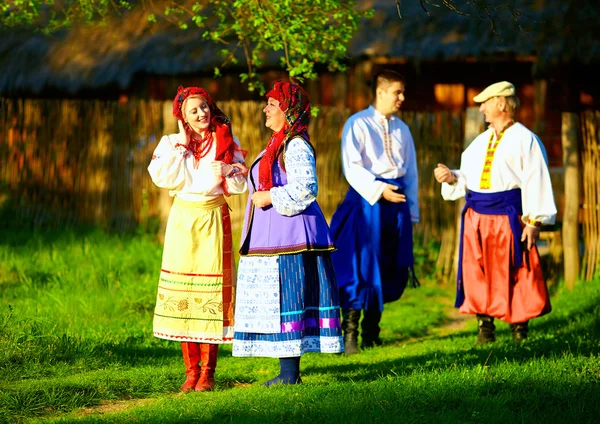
{"x":370,"y":328}
{"x":289,"y":372}
{"x":191,"y":359}
{"x":519,"y":331}
{"x":208,"y":353}
{"x":350,"y":318}
{"x":486,"y":330}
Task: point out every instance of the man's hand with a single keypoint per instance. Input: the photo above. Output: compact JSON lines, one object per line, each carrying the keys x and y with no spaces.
{"x":443,"y":174}
{"x":390,"y":194}
{"x":530,"y":236}
{"x":261,"y":199}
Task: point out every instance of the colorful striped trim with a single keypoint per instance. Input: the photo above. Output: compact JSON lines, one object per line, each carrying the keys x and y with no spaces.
{"x":171,"y":337}
{"x":188,"y":274}
{"x":311,"y":308}
{"x":188,"y":318}
{"x":277,"y":251}
{"x":190,"y":283}
{"x":290,"y":327}
{"x":189,"y":291}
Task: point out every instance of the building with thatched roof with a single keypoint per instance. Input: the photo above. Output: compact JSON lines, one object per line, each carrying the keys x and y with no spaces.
{"x":549,"y":49}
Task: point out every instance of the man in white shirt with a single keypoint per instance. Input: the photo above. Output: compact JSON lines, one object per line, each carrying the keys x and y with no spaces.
{"x":505,"y":178}
{"x":372,"y":227}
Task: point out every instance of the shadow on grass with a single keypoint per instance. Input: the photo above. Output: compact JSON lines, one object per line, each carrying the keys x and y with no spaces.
{"x":577,"y":333}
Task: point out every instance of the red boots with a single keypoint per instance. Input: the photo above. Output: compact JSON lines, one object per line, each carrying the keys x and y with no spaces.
{"x":191,"y":359}
{"x":208,"y":354}
{"x":199,"y":378}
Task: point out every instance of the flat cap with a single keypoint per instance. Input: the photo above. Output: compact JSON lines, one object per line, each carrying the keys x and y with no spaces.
{"x":504,"y":89}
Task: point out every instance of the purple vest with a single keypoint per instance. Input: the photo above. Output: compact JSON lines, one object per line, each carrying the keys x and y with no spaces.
{"x":267,"y":233}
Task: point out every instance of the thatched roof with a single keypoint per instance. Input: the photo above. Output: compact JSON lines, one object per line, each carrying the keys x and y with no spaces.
{"x":92,"y":58}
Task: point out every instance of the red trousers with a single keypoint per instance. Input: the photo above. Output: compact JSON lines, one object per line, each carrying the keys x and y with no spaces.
{"x":492,"y":287}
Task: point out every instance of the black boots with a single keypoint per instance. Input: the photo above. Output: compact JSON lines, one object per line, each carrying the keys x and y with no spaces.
{"x":487,"y":329}
{"x":350,"y":318}
{"x":519,"y":331}
{"x":370,"y":328}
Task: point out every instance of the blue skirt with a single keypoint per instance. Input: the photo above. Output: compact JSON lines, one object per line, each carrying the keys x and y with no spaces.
{"x":310,"y":311}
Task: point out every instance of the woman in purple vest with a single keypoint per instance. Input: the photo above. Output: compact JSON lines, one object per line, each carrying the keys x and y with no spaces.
{"x":287,"y":300}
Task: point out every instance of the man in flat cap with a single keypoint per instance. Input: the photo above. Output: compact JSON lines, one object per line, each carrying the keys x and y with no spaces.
{"x":505,"y":179}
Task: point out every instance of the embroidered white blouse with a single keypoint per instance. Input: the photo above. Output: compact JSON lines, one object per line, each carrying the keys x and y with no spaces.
{"x":302,"y":186}
{"x":520,"y":161}
{"x":173,"y":168}
{"x":373,"y":146}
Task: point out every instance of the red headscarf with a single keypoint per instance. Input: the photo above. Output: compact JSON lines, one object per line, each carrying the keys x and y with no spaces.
{"x":219,"y":123}
{"x":295,"y":104}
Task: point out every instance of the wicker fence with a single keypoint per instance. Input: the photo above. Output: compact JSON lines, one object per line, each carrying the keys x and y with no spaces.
{"x":71,"y":162}
{"x":590,"y":162}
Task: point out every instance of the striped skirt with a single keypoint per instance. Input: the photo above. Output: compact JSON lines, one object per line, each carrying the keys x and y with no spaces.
{"x":308,"y":310}
{"x":196,"y":286}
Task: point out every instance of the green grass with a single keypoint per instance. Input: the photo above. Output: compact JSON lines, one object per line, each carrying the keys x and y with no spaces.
{"x":76,"y":345}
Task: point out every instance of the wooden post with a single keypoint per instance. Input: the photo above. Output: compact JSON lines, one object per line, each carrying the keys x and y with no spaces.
{"x":473,"y":127}
{"x":164,"y":200}
{"x":570,"y":227}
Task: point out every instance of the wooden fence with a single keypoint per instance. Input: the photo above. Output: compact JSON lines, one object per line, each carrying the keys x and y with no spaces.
{"x":71,"y":162}
{"x":590,"y":163}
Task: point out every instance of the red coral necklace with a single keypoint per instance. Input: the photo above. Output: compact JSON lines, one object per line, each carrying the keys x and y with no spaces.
{"x":200,"y":148}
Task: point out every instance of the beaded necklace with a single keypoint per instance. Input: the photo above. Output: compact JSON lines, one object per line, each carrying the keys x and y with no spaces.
{"x":199,"y":148}
{"x":486,"y":174}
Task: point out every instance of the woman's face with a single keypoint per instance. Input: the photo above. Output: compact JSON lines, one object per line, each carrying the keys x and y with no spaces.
{"x":275,"y":116}
{"x":196,"y":112}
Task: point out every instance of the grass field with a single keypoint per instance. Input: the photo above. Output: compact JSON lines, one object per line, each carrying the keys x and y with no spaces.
{"x":76,"y":346}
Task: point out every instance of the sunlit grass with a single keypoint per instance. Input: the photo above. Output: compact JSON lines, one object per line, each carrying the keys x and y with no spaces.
{"x":77,"y":345}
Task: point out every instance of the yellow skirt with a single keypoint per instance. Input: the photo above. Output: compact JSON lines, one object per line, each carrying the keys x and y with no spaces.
{"x":196,"y":290}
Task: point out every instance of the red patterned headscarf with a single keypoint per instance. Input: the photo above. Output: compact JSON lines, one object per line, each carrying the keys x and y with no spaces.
{"x":219,"y":122}
{"x":295,"y":104}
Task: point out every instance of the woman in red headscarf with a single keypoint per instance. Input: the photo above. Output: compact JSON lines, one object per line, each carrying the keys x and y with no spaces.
{"x":196,"y":289}
{"x":287,"y":302}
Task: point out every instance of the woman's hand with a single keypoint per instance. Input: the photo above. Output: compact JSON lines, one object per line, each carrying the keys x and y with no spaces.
{"x":221,"y":168}
{"x":182,"y":137}
{"x":227,"y":170}
{"x":443,"y":174}
{"x":261,"y":199}
{"x":240,"y":169}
